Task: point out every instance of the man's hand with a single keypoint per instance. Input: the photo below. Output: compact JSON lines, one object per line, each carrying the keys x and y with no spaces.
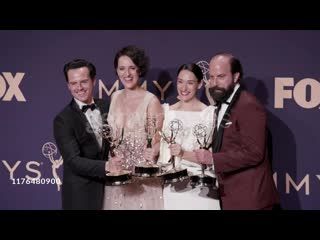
{"x":114,"y":164}
{"x":204,"y":156}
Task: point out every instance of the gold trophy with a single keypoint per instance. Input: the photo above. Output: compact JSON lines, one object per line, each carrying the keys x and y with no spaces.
{"x":204,"y":138}
{"x":148,"y":169}
{"x":114,"y":136}
{"x":175,"y":174}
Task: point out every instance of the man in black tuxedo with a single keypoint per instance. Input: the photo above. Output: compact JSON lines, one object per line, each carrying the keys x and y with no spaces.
{"x":84,"y":151}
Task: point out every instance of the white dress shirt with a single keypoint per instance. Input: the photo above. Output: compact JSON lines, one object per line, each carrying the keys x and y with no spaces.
{"x":94,"y":119}
{"x":224,"y":106}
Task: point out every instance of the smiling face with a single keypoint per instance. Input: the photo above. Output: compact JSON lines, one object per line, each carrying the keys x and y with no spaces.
{"x":187,"y":85}
{"x":128,"y":72}
{"x":80,"y":84}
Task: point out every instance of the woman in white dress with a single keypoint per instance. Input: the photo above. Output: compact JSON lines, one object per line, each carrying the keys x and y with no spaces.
{"x":129,"y":109}
{"x":190,"y":111}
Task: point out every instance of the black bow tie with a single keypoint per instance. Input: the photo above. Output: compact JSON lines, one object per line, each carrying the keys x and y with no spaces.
{"x":218,"y":104}
{"x":86,"y":107}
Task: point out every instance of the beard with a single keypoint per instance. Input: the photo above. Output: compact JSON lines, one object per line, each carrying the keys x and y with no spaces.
{"x":220,"y":94}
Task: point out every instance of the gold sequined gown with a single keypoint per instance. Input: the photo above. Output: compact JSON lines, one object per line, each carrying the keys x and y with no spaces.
{"x":142,"y":193}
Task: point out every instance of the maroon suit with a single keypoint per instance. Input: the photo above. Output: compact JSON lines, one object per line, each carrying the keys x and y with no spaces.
{"x":241,"y":156}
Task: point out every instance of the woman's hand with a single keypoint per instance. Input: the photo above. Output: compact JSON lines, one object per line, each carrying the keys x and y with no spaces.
{"x":176,"y":150}
{"x":150,"y":154}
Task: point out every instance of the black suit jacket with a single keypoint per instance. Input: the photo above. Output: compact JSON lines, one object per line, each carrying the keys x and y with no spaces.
{"x":83,"y":160}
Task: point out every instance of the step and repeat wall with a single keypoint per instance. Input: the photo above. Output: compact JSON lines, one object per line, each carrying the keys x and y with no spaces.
{"x":281,"y":68}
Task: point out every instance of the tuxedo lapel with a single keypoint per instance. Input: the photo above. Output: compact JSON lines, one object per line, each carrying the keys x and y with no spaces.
{"x":215,"y":132}
{"x":218,"y":134}
{"x":84,"y":121}
{"x":103,"y":109}
{"x":104,"y":112}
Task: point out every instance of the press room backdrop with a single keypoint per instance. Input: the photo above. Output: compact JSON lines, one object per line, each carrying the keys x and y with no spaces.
{"x":281,"y":69}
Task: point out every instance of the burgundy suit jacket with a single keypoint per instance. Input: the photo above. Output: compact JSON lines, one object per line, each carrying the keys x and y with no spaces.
{"x":242,"y":164}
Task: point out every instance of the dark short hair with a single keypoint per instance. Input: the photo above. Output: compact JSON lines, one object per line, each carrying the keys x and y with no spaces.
{"x":79,"y":63}
{"x":194,"y":68}
{"x":137,"y":55}
{"x":235,"y":64}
